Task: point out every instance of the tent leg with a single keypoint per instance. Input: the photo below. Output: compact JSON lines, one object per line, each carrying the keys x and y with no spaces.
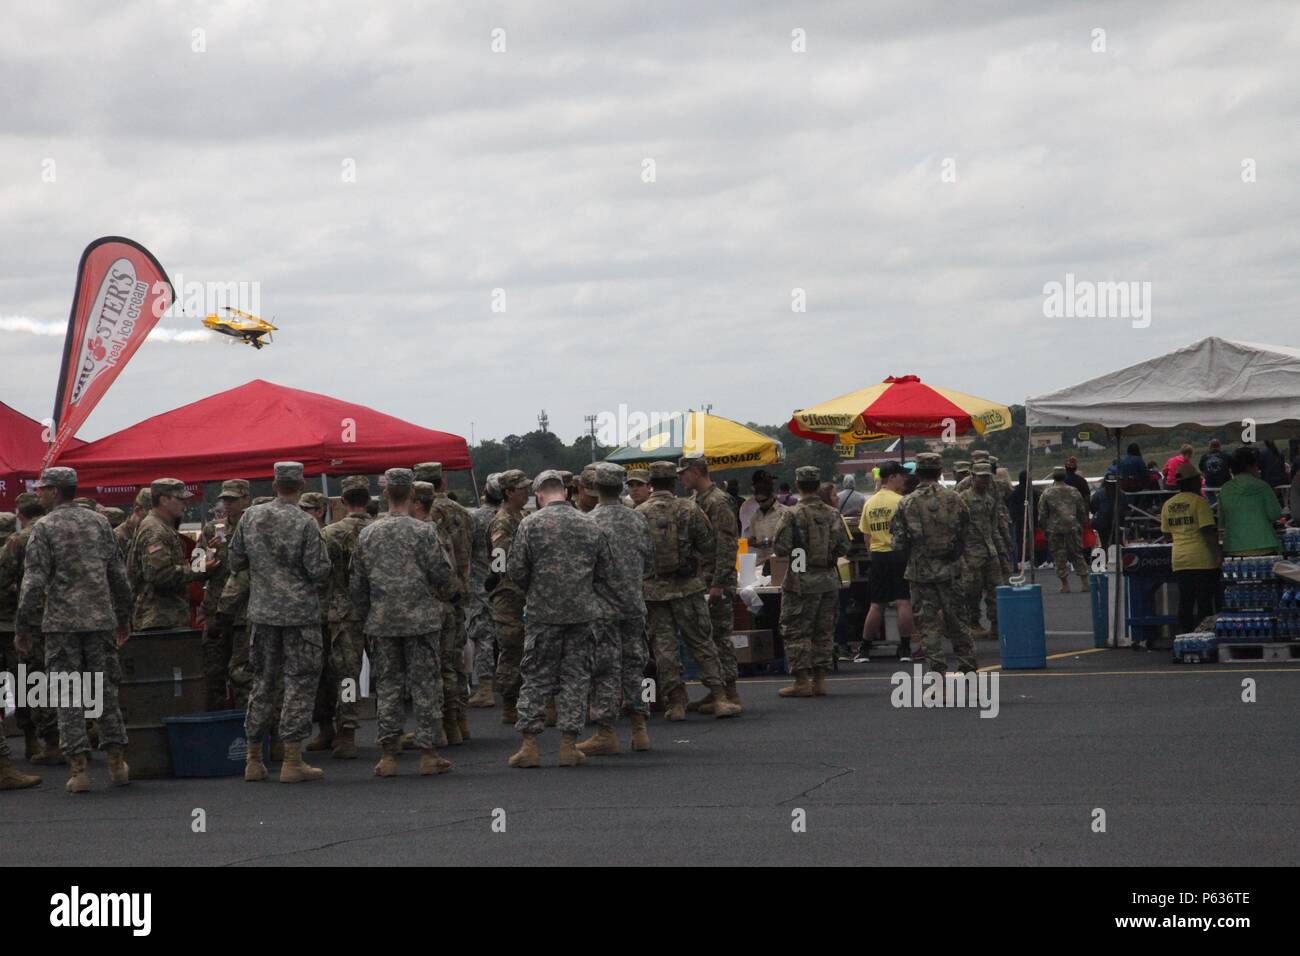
{"x":1026,"y":529}
{"x":1117,"y":575}
{"x":478,"y":500}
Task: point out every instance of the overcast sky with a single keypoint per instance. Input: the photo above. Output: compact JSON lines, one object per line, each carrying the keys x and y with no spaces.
{"x":774,"y":170}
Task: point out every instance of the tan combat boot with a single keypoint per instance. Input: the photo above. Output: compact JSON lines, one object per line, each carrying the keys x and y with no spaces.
{"x":702,"y":706}
{"x":11,"y":778}
{"x":324,"y":739}
{"x":78,"y":778}
{"x":675,"y":706}
{"x":387,"y":766}
{"x":295,"y":769}
{"x":254,"y":769}
{"x":118,"y":770}
{"x":819,"y":682}
{"x":1065,"y":585}
{"x":526,"y":755}
{"x":462,"y":724}
{"x":603,"y":743}
{"x":432,"y":762}
{"x":510,"y":710}
{"x":49,"y":754}
{"x":733,"y":693}
{"x":721,"y":706}
{"x":802,"y":686}
{"x":551,"y":715}
{"x":408,"y":741}
{"x":345,"y":744}
{"x":570,"y":755}
{"x":452,"y":730}
{"x":640,"y":733}
{"x":482,"y":697}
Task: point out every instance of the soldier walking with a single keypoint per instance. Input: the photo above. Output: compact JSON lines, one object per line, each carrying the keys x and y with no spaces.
{"x":684,"y":554}
{"x":282,"y":549}
{"x":620,"y":652}
{"x":399,"y":571}
{"x":812,"y":535}
{"x":931,"y":525}
{"x":73,"y":564}
{"x":559,"y":560}
{"x":987,"y":545}
{"x":1062,"y":515}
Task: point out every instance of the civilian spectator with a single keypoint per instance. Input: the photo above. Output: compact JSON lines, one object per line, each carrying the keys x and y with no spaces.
{"x":1272,"y":466}
{"x":1184,"y":457}
{"x":850,"y":500}
{"x":1247,"y":508}
{"x":885,"y":578}
{"x":1189,"y":522}
{"x":765,"y":518}
{"x":1102,"y":508}
{"x":785,"y":497}
{"x":1155,"y":480}
{"x":1016,"y":506}
{"x":1133,"y":470}
{"x":1214,"y":466}
{"x":1076,"y":480}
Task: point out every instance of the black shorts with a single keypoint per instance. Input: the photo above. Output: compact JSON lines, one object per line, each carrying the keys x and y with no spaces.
{"x":885,"y":578}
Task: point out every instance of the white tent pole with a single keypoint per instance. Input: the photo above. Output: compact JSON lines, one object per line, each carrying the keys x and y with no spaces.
{"x":1026,"y":535}
{"x":1118,"y":572}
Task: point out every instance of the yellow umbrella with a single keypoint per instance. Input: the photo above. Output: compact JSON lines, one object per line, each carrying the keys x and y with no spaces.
{"x":724,"y":443}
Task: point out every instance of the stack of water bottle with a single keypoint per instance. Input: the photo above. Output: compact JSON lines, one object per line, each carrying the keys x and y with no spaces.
{"x":1199,"y":647}
{"x":1288,"y":613}
{"x":1291,"y":544}
{"x":1250,"y":599}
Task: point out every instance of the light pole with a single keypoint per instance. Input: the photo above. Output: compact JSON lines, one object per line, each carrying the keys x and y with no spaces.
{"x":591,"y":424}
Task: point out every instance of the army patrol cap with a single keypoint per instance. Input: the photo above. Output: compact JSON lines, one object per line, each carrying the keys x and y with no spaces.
{"x":424,"y":491}
{"x":492,"y":485}
{"x":115,"y":516}
{"x":262,"y":500}
{"x":638,"y":476}
{"x":807,"y":473}
{"x":399,"y":477}
{"x":993,"y":460}
{"x":512,"y":479}
{"x":1058,"y":473}
{"x":961,"y":468}
{"x":58,"y":478}
{"x":610,"y":475}
{"x":549,"y":474}
{"x":288,"y":471}
{"x":312,"y":500}
{"x":88,"y":503}
{"x":355,"y":483}
{"x":929,"y":461}
{"x":428,"y":471}
{"x":234,"y":488}
{"x":27,"y":498}
{"x":694,"y":460}
{"x":980,"y":455}
{"x":981,"y":468}
{"x":565,"y":476}
{"x":171,"y":486}
{"x":662,"y":469}
{"x":8,"y":522}
{"x":143,"y":500}
{"x":588,"y":477}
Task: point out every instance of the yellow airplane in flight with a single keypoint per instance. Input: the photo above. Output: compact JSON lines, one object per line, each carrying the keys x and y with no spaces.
{"x":247,"y":328}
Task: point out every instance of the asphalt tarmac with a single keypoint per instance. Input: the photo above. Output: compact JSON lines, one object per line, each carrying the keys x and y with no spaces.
{"x":1110,"y":757}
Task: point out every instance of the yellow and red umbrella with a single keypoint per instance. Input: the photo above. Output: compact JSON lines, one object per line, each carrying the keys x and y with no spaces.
{"x":900,"y":405}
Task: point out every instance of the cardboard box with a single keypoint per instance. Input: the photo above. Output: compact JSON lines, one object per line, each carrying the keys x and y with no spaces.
{"x":779,"y":567}
{"x":753,"y":647}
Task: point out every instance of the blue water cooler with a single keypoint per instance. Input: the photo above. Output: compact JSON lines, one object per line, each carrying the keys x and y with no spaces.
{"x":1022,"y":635}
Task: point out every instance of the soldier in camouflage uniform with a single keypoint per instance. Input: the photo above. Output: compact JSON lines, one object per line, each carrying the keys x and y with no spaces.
{"x":588,"y":497}
{"x":159,"y":570}
{"x":282,"y":549}
{"x":213,"y":539}
{"x":456,"y":526}
{"x":638,"y":486}
{"x":317,"y":504}
{"x":40,"y":725}
{"x":124,"y":533}
{"x":480,"y":629}
{"x":960,"y":472}
{"x":986,"y":546}
{"x":812,"y":535}
{"x":399,"y":573}
{"x":73,"y":565}
{"x":620,"y":652}
{"x":932,"y":525}
{"x":507,"y":599}
{"x":1062,"y":515}
{"x":346,"y":637}
{"x":719,"y":508}
{"x":559,"y":560}
{"x":11,"y":778}
{"x":685,"y":551}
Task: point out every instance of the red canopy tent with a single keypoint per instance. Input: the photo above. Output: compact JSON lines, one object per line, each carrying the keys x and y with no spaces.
{"x":241,"y":432}
{"x":22,"y":448}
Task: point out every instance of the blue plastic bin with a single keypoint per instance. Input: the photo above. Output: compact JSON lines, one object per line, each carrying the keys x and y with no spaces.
{"x":1022,"y":636}
{"x":207,"y":745}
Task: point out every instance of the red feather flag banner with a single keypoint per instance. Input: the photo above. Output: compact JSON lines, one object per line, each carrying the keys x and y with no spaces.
{"x":121,"y":293}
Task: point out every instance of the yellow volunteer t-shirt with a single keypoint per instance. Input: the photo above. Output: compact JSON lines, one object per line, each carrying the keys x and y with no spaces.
{"x":1183,"y":517}
{"x":876,"y":516}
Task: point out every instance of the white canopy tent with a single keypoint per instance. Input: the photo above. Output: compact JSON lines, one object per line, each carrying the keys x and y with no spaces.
{"x":1213,"y":383}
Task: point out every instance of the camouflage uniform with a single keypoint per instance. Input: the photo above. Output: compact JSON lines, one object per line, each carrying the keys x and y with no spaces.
{"x":398,"y":569}
{"x":232,"y":617}
{"x":346,"y":635}
{"x":717,"y":507}
{"x":479,"y":626}
{"x":218,"y":639}
{"x":8,"y":607}
{"x":282,"y":549}
{"x":987,"y":544}
{"x":1061,"y":515}
{"x":559,"y":560}
{"x":810,"y":597}
{"x":124,"y":533}
{"x":42,"y":721}
{"x":455,"y":524}
{"x":620,"y":654}
{"x":73,"y":562}
{"x":932,"y":525}
{"x":685,"y":550}
{"x":507,"y":599}
{"x":161,"y":574}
